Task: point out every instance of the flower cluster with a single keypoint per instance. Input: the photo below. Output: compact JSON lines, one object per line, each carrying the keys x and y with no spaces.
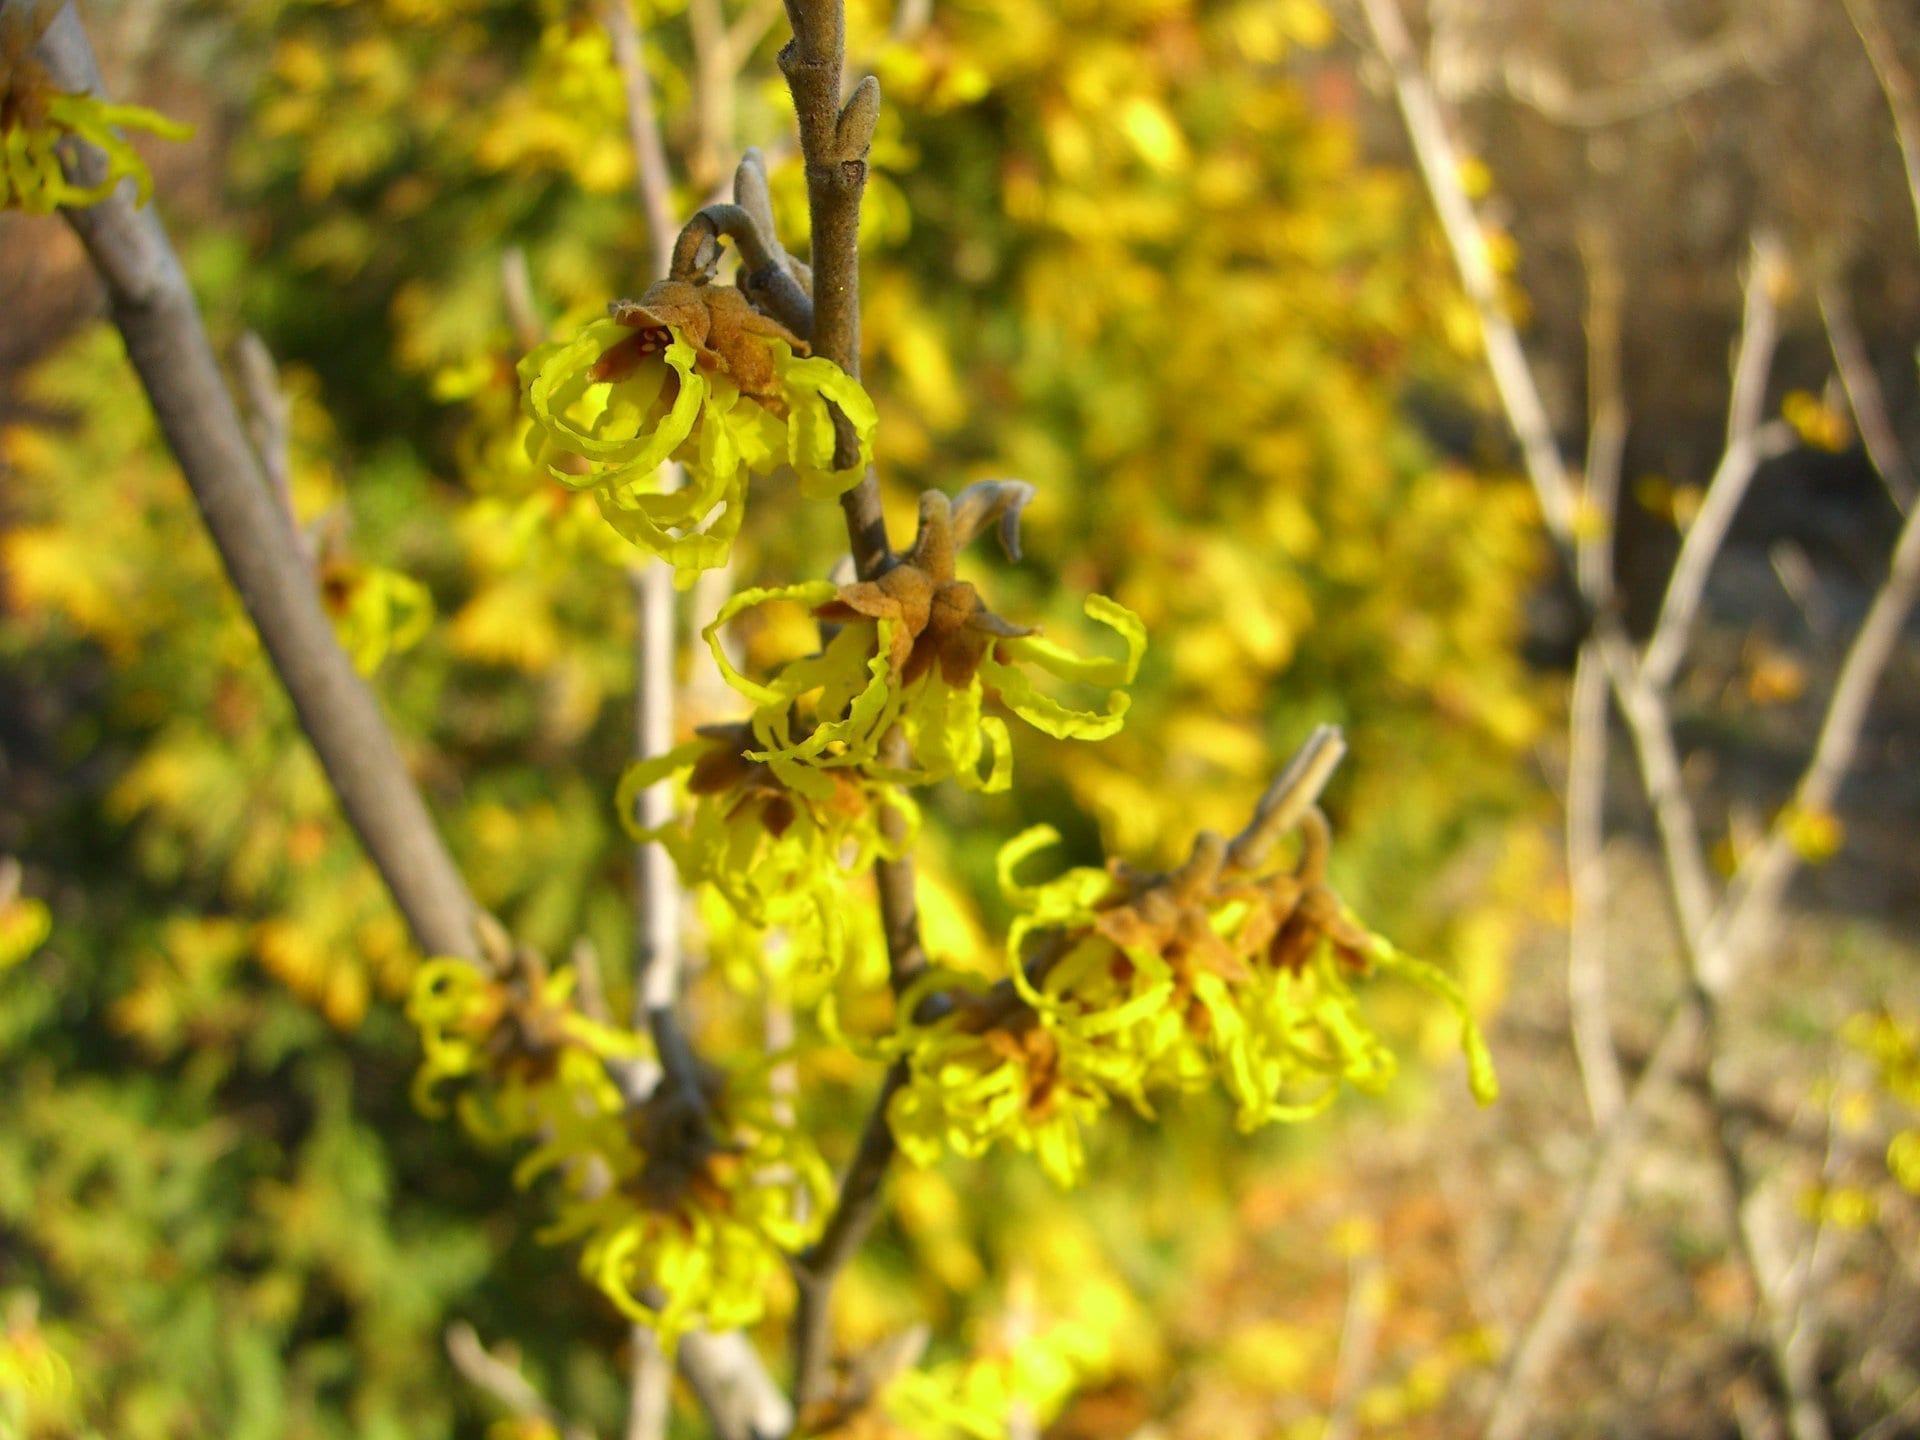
{"x":688,"y":1202}
{"x":916,"y":650}
{"x":691,"y":373}
{"x":535,"y":1067}
{"x":709,"y":1193}
{"x":776,"y":840}
{"x":1121,"y":983}
{"x":35,"y":117}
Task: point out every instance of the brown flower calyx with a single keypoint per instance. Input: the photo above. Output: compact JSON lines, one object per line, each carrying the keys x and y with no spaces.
{"x":728,"y":335}
{"x":724,"y":769}
{"x":937,"y":619}
{"x":679,"y":1135}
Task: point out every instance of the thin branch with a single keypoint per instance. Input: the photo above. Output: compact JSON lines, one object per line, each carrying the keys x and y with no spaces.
{"x":516,"y":294}
{"x":1753,"y":900}
{"x":1359,"y":1339}
{"x":1668,"y":82}
{"x":1794,"y":1353}
{"x":1506,"y":358}
{"x":649,"y":1386}
{"x":503,"y":1381}
{"x":1583,"y":1233}
{"x":1746,"y":446}
{"x":834,"y":140}
{"x":153,"y":307}
{"x":746,"y":33}
{"x":1294,"y":792}
{"x":1587,"y":739}
{"x":1896,"y":86}
{"x":651,"y":176}
{"x":854,"y":1212}
{"x":1864,"y":396}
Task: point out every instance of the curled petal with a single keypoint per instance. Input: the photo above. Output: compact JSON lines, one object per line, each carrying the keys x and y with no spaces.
{"x":611,"y":423}
{"x":807,"y":385}
{"x":1481,"y":1079}
{"x":1050,"y":716}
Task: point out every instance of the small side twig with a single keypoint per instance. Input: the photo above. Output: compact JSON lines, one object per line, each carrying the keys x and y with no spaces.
{"x":503,"y":1381}
{"x":1359,"y":1338}
{"x":1896,"y":87}
{"x":1864,"y":396}
{"x":651,"y":177}
{"x":1747,"y":445}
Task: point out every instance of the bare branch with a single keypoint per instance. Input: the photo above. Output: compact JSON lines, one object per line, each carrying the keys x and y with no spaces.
{"x":1896,"y":85}
{"x":1287,"y":801}
{"x":649,"y":1386}
{"x":854,"y":1212}
{"x":1591,"y":1211}
{"x":516,"y":293}
{"x":1864,"y":396}
{"x":154,"y":309}
{"x":1753,"y":900}
{"x":1506,"y":357}
{"x":1587,"y":739}
{"x":834,"y":140}
{"x":1359,"y":1338}
{"x":1747,"y":445}
{"x":504,"y":1382}
{"x":651,"y":176}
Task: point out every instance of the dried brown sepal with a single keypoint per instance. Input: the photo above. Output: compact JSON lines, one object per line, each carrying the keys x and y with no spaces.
{"x":937,"y":619}
{"x":727,"y":334}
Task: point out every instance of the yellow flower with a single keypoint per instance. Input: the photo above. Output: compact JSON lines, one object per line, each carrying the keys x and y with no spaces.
{"x":35,"y":118}
{"x":917,"y":648}
{"x":513,"y":1032}
{"x":1120,"y":982}
{"x":709,"y":1197}
{"x":985,"y":1072}
{"x":375,"y":612}
{"x":777,"y":840}
{"x":694,"y":374}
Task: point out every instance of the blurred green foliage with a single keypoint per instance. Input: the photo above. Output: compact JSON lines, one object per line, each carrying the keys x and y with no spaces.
{"x":1112,"y":248}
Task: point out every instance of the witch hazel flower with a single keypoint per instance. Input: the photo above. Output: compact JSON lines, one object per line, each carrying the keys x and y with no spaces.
{"x":917,"y":649}
{"x":691,"y":373}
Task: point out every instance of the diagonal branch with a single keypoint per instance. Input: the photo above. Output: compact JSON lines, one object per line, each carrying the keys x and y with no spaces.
{"x":1747,"y":444}
{"x":154,"y":308}
{"x":1864,"y":396}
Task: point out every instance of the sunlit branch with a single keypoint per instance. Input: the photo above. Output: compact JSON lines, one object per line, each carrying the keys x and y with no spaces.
{"x":154,"y":309}
{"x":1864,"y":396}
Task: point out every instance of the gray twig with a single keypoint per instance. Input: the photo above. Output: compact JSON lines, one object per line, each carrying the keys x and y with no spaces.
{"x":153,"y":307}
{"x":1864,"y":396}
{"x":503,"y":1381}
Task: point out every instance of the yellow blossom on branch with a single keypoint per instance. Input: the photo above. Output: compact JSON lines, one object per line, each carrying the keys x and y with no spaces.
{"x":709,"y":1196}
{"x":35,"y":117}
{"x":1119,"y":983}
{"x":776,"y":839}
{"x":918,"y":649}
{"x":692,"y":374}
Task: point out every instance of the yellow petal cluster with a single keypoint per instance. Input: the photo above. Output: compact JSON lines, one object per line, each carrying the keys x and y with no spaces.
{"x":31,"y":177}
{"x":836,"y":708}
{"x":706,"y":1205}
{"x":609,"y":415}
{"x":777,"y":840}
{"x":688,"y":1205}
{"x":1120,"y":984}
